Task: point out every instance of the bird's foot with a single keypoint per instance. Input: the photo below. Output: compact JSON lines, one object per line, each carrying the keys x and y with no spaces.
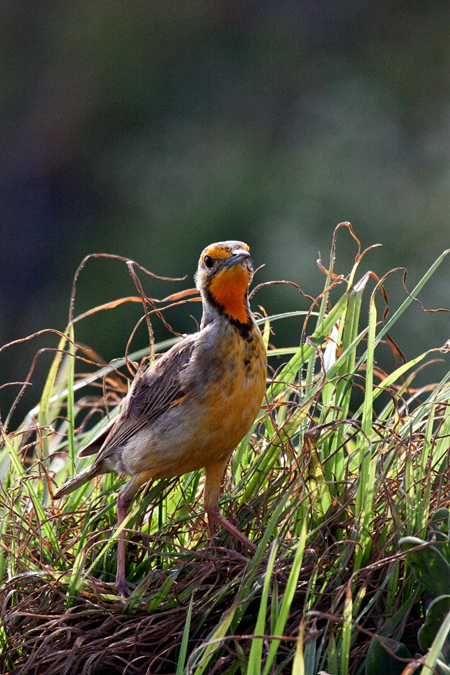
{"x":232,"y":554}
{"x":122,"y":588}
{"x":214,"y":514}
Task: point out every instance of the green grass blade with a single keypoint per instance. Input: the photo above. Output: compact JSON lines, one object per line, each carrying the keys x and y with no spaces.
{"x":214,"y":641}
{"x":287,"y":599}
{"x":306,"y":351}
{"x":20,"y":472}
{"x":261,"y":470}
{"x":43,"y":409}
{"x":184,"y":642}
{"x":436,"y":647}
{"x":254,"y":661}
{"x":77,"y":569}
{"x":298,"y":664}
{"x":70,"y":395}
{"x":365,"y":491}
{"x":346,"y":631}
{"x":405,"y":304}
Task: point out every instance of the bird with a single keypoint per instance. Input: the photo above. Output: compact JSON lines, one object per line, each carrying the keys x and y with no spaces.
{"x":190,"y":408}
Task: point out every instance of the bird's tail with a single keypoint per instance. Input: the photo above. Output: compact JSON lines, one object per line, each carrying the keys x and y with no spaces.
{"x":77,"y":481}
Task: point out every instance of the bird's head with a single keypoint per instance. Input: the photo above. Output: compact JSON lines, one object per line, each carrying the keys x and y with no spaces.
{"x":223,"y":277}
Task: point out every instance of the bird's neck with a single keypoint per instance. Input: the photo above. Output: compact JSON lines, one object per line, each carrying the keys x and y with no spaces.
{"x":228,"y":293}
{"x":233,"y":307}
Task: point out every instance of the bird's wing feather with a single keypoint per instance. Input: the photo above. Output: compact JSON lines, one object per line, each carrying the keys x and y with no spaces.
{"x":152,"y":393}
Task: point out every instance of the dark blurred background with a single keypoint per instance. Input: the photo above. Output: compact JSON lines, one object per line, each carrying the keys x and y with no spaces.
{"x":150,"y":129}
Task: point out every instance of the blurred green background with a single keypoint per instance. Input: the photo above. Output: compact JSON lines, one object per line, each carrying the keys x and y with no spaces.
{"x":151,"y":129}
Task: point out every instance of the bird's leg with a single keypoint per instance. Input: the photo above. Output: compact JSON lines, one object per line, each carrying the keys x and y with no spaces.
{"x":124,"y":499}
{"x":214,"y":514}
{"x":213,"y":479}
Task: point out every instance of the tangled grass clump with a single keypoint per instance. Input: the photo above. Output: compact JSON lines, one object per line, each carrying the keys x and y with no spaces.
{"x":326,"y":485}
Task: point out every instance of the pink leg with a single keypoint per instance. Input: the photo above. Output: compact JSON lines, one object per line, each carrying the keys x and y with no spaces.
{"x":214,"y":514}
{"x":213,"y":476}
{"x":124,"y":499}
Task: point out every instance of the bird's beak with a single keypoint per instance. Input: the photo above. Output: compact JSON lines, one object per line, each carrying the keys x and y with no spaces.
{"x":237,"y":257}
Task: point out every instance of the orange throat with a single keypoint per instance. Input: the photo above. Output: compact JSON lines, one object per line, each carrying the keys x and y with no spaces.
{"x":229,"y":290}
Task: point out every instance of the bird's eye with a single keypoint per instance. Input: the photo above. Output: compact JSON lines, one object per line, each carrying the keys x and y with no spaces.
{"x":209,"y":262}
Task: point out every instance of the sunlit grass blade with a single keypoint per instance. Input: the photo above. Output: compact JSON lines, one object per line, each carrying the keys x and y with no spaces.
{"x":213,"y":643}
{"x":20,"y":473}
{"x":70,"y":396}
{"x":74,"y":586}
{"x":287,"y":600}
{"x":364,"y":494}
{"x":254,"y":660}
{"x":262,"y":468}
{"x":298,"y":664}
{"x":185,"y":640}
{"x":411,"y":297}
{"x":435,"y":649}
{"x":44,"y":405}
{"x":346,"y":631}
{"x":305,"y":352}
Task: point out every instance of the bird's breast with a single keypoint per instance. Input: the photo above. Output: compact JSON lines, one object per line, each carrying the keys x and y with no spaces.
{"x":225,"y":384}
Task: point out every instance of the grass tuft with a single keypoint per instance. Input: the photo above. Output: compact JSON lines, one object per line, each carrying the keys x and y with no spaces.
{"x":343,"y":461}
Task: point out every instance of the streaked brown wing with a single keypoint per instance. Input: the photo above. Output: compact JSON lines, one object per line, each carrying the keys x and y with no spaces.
{"x":152,"y":393}
{"x":94,"y":446}
{"x":159,"y":387}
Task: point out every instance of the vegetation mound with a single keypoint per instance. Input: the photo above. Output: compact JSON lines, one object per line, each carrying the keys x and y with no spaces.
{"x":342,"y":484}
